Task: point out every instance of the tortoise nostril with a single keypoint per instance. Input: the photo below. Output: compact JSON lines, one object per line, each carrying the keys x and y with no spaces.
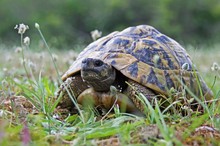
{"x":98,"y":63}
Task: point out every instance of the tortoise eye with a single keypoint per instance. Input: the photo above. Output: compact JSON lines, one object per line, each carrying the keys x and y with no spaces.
{"x":98,"y":63}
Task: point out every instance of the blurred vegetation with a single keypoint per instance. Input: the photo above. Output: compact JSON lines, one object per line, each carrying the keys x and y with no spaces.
{"x":69,"y":22}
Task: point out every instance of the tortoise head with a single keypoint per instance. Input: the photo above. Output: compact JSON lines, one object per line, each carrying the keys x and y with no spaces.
{"x":97,"y":74}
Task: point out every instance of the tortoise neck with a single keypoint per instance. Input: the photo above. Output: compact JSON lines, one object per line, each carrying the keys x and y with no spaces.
{"x":103,"y":85}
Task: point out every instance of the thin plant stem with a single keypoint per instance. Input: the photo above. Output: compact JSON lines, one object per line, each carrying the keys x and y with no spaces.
{"x":22,"y":53}
{"x":50,"y":53}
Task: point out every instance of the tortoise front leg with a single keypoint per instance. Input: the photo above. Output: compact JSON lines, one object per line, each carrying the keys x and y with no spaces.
{"x":107,"y":99}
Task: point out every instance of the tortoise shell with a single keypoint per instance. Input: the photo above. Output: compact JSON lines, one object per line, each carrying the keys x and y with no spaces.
{"x":146,"y":56}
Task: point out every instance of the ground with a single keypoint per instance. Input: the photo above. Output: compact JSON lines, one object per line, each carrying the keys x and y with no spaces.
{"x":28,"y":114}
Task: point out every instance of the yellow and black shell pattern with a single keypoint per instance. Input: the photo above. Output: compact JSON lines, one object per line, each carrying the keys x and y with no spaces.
{"x":146,"y":56}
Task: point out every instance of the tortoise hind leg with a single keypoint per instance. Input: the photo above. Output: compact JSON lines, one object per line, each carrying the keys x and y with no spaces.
{"x":134,"y":89}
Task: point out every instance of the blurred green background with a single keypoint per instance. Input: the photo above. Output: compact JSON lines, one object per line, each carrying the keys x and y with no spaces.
{"x":69,"y":22}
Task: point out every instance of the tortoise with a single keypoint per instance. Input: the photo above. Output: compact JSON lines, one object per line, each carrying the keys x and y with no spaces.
{"x":139,"y":59}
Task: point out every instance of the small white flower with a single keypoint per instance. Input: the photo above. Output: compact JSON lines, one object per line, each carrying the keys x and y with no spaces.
{"x":21,"y":28}
{"x":5,"y":69}
{"x":95,"y":34}
{"x":37,"y":25}
{"x":18,"y":49}
{"x":23,"y":61}
{"x":68,"y":80}
{"x":56,"y":116}
{"x":32,"y":65}
{"x":27,"y":41}
{"x":215,"y":67}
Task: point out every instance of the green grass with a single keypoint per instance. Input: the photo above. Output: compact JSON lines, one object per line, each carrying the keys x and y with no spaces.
{"x":28,"y":116}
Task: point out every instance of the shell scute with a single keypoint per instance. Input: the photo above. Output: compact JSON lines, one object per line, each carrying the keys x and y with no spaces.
{"x":149,"y":42}
{"x":169,"y":80}
{"x":153,"y":79}
{"x":133,"y":70}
